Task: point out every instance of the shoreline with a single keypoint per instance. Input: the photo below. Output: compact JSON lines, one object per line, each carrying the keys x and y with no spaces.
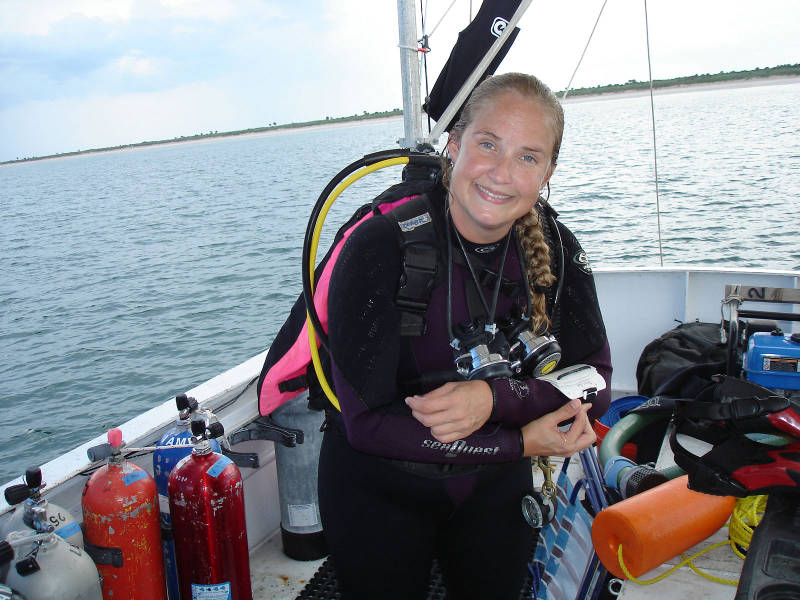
{"x":289,"y":128}
{"x":689,"y":87}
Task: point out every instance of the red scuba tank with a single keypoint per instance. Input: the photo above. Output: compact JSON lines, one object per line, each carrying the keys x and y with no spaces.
{"x":122,"y":532}
{"x":206,"y":502}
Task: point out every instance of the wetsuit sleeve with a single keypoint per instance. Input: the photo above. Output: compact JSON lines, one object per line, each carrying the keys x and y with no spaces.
{"x":520,"y":401}
{"x":366,"y":348}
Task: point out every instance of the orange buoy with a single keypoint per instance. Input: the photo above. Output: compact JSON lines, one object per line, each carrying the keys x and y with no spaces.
{"x":656,"y":525}
{"x":122,"y":531}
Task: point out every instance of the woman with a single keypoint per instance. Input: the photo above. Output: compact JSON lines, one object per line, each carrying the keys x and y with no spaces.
{"x":411,"y":472}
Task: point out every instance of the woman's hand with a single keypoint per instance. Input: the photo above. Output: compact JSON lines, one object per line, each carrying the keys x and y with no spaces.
{"x":542,"y":437}
{"x":454,"y":410}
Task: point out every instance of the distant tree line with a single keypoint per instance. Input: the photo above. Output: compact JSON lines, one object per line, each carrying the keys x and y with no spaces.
{"x":688,"y":80}
{"x":598,"y":89}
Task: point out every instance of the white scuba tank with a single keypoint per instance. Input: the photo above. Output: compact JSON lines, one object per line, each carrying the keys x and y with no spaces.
{"x":34,"y":513}
{"x":31,"y":506}
{"x":45,"y":567}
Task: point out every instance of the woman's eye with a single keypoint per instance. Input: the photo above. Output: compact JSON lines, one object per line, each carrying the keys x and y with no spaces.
{"x":528,"y":158}
{"x":487,"y":145}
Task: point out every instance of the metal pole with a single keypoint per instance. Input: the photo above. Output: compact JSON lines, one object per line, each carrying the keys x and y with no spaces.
{"x":409,"y":73}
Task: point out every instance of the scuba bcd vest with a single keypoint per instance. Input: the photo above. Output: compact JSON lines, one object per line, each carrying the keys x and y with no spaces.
{"x":287,"y":369}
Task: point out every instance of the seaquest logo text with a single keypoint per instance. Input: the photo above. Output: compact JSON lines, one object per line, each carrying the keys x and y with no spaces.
{"x":453,"y":449}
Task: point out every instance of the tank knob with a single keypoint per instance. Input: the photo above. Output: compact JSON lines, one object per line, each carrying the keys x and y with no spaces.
{"x":198,"y":428}
{"x":33,"y":477}
{"x":115,"y":438}
{"x":207,"y":431}
{"x":103,"y":451}
{"x":215,"y":429}
{"x":17,"y":493}
{"x":185,"y":402}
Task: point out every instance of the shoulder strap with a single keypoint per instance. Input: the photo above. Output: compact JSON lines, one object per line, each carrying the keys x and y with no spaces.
{"x":416,"y":226}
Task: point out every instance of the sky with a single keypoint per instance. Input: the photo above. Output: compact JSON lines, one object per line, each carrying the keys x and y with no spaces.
{"x":80,"y":74}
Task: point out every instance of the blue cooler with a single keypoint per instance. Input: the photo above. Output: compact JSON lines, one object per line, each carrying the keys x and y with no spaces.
{"x":773,"y":360}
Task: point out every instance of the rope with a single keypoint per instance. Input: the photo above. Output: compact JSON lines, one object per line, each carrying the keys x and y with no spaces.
{"x":653,"y":119}
{"x":745,"y":517}
{"x":685,"y":561}
{"x":585,"y":48}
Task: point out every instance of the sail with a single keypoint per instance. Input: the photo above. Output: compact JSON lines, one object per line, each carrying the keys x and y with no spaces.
{"x":472,"y":44}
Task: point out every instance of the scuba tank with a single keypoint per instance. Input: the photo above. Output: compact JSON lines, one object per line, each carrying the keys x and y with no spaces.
{"x":121,"y":527}
{"x":301,"y":526}
{"x":172,"y":447}
{"x":35,"y":513}
{"x":206,"y":502}
{"x":45,"y":567}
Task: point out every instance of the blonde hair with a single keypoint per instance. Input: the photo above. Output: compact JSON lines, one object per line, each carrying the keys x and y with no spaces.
{"x":528,"y":227}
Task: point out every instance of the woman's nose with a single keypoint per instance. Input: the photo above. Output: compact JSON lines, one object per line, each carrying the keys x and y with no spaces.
{"x":501,"y":170}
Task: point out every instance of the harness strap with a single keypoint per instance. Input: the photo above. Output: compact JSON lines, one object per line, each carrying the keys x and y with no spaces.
{"x":416,"y":230}
{"x":735,"y":410}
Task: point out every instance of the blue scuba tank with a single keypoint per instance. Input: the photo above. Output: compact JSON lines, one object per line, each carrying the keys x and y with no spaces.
{"x":178,"y":442}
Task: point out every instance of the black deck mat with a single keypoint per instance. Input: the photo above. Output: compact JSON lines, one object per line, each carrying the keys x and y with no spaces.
{"x":323,"y":586}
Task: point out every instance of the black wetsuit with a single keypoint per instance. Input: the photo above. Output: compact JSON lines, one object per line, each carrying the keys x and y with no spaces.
{"x":391,"y":496}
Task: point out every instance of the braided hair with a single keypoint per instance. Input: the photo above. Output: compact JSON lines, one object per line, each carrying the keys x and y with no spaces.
{"x":529,"y":226}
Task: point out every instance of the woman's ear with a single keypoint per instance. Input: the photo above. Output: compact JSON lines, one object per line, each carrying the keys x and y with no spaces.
{"x":548,"y":176}
{"x":452,"y":147}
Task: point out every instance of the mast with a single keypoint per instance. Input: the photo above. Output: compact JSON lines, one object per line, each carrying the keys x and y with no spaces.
{"x":409,"y":73}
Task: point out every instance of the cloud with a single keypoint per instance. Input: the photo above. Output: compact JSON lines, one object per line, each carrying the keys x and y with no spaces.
{"x":37,"y":17}
{"x":234,"y":64}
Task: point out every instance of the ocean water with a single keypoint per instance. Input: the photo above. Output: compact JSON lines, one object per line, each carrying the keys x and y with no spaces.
{"x":128,"y":277}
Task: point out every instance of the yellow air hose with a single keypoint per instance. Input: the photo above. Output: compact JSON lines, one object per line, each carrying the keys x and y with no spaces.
{"x":312,"y":337}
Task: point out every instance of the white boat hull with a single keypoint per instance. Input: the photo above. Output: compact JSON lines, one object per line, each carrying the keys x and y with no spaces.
{"x":638,"y":305}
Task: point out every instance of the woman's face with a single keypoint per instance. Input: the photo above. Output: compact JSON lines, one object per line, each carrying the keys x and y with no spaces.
{"x":500,"y":162}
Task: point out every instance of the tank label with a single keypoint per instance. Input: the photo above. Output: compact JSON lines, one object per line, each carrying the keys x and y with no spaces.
{"x":219,"y":466}
{"x":134,"y":477}
{"x":216,"y":591}
{"x":68,"y":530}
{"x":303,"y":515}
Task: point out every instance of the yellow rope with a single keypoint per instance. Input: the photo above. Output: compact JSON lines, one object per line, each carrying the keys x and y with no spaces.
{"x":745,"y":517}
{"x":685,"y":561}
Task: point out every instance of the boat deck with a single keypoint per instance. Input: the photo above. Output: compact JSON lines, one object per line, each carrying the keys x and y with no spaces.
{"x":277,"y":577}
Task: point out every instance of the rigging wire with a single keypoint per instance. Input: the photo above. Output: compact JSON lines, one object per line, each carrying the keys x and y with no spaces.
{"x":585,"y":48}
{"x":424,"y":49}
{"x":442,"y":18}
{"x":653,"y":119}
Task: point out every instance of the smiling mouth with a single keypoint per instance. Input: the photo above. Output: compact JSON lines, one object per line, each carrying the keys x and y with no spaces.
{"x":490,"y":195}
